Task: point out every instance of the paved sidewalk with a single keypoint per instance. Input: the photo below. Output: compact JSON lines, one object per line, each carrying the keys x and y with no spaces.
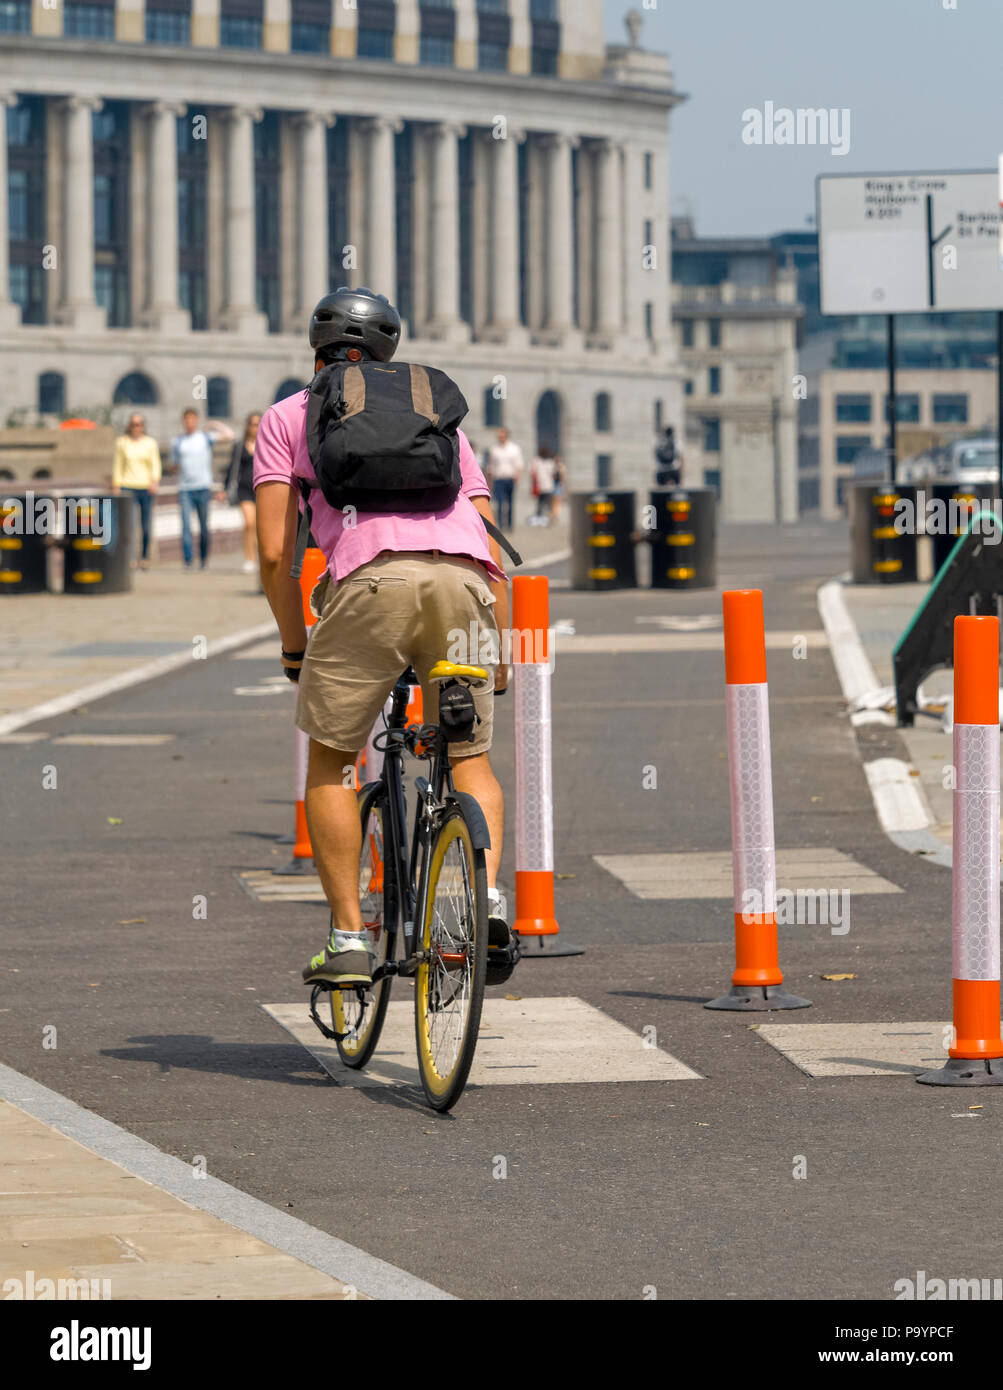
{"x":881,"y":614}
{"x":57,"y":644}
{"x":71,"y":1215}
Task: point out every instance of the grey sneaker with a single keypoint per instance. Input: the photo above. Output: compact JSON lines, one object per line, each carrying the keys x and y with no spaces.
{"x":503,"y":944}
{"x":340,"y":965}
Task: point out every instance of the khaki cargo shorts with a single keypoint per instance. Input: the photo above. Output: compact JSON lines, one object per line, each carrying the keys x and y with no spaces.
{"x":399,"y":610}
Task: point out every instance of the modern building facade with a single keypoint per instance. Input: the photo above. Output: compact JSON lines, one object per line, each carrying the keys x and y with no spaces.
{"x":736,"y":317}
{"x":187,"y":177}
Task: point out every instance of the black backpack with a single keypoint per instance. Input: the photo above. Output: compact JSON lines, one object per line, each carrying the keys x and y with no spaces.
{"x":382,"y":437}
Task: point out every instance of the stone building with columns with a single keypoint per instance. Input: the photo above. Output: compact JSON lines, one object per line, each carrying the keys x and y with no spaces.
{"x":188,"y":177}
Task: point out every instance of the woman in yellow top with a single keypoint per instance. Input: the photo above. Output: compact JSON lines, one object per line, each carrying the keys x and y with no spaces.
{"x":137,"y":470}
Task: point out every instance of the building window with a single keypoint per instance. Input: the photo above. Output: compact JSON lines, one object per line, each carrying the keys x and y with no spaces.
{"x":688,"y":388}
{"x":906,"y":409}
{"x":239,"y":31}
{"x":375,"y":43}
{"x":465,"y":170}
{"x":494,"y":409}
{"x":192,"y":204}
{"x":712,"y":436}
{"x":112,"y":212}
{"x":51,"y":393}
{"x":649,"y":170}
{"x":714,"y":330}
{"x":437,"y":50}
{"x":290,"y":387}
{"x":545,"y":62}
{"x":492,"y":6}
{"x":712,"y":479}
{"x":604,"y":412}
{"x":88,"y":21}
{"x":950,"y":410}
{"x":492,"y":57}
{"x":404,"y":180}
{"x":26,"y":176}
{"x":310,"y":38}
{"x":266,"y":218}
{"x":191,"y":296}
{"x":135,"y":389}
{"x":853,"y":410}
{"x":604,"y":471}
{"x":15,"y":16}
{"x":338,"y":185}
{"x":688,"y":332}
{"x":659,"y":417}
{"x":545,"y":40}
{"x":217,"y":402}
{"x":848,"y":446}
{"x":168,"y":26}
{"x":543,"y":9}
{"x":714,"y":381}
{"x":649,"y":320}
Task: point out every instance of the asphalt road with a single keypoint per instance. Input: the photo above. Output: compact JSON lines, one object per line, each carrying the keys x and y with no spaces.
{"x":684,"y":1186}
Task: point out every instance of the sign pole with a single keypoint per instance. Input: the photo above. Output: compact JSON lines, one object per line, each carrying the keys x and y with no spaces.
{"x":893,"y":409}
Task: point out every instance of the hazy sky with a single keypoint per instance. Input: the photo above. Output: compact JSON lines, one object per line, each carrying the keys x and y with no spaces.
{"x":923,"y":84}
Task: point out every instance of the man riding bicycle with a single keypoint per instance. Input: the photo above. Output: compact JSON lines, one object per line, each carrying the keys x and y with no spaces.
{"x":398,"y":587}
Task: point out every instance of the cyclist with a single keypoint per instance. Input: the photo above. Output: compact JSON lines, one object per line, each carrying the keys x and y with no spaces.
{"x":397,"y":586}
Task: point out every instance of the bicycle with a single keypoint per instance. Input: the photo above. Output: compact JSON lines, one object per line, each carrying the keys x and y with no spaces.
{"x":435,"y":891}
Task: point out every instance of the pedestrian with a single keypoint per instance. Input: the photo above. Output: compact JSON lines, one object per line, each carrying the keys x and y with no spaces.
{"x":238,"y":489}
{"x":505,"y":468}
{"x":670,"y":460}
{"x":560,"y":486}
{"x":137,"y":470}
{"x":544,"y":468}
{"x":191,"y":454}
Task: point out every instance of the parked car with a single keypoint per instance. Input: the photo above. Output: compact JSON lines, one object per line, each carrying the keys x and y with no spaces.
{"x":975,"y":461}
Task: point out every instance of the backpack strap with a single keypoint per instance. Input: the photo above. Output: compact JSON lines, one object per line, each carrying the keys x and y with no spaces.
{"x":303,"y":531}
{"x":421,"y":394}
{"x":502,"y":540}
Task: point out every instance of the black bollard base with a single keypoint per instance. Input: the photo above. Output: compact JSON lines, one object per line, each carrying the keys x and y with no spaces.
{"x":959,"y":1071}
{"x":547,"y":948}
{"x":758,"y":999}
{"x":297,"y":868}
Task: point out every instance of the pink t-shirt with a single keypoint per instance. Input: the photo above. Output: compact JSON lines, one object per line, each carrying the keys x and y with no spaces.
{"x":281,"y":455}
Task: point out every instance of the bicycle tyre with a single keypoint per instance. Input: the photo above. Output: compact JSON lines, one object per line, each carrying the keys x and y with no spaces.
{"x":443,"y":1089}
{"x":357,"y":1053}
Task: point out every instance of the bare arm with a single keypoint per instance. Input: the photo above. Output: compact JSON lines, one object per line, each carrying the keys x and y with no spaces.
{"x":278,"y":519}
{"x":498,"y":589}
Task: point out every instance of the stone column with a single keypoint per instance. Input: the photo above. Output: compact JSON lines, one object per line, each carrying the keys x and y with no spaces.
{"x":162,"y":310}
{"x":504,"y":324}
{"x":311,"y":212}
{"x":379,"y":255}
{"x":10,"y":314}
{"x":79,"y":307}
{"x":559,"y":236}
{"x":444,"y":316}
{"x":609,"y":254}
{"x":240,"y":311}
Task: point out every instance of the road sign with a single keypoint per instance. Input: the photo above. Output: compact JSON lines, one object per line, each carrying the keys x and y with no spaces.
{"x":909,"y":243}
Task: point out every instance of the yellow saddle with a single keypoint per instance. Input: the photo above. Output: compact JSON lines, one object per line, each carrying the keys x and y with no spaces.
{"x":447,"y":671}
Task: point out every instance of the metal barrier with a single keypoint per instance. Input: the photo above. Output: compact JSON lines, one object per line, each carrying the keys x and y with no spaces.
{"x":97,"y":546}
{"x":22,"y":551}
{"x":684,"y":543}
{"x":882,"y":554}
{"x":602,"y":541}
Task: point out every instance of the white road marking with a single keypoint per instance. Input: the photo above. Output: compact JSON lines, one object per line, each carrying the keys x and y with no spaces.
{"x":898,"y":796}
{"x":267,"y":887}
{"x":660,"y":877}
{"x":638,"y":642}
{"x":853,"y":667}
{"x":113,"y":740}
{"x":859,"y":1049}
{"x":525,"y":1042}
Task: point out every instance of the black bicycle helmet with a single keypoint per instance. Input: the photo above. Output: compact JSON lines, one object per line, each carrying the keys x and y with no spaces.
{"x":361,"y":318}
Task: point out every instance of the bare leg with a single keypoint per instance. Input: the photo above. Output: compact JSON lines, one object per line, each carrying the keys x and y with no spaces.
{"x":250,"y":532}
{"x":332,"y":813}
{"x":475,"y":777}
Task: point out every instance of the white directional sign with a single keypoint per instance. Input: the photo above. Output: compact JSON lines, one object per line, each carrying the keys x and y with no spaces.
{"x":909,"y":243}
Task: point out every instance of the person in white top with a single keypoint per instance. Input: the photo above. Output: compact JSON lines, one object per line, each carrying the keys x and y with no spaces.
{"x":505,"y":468}
{"x":544,"y":471}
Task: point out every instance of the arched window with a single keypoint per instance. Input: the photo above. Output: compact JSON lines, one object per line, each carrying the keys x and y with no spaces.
{"x":218,"y":398}
{"x":51,"y":393}
{"x":290,"y":387}
{"x":604,"y":412}
{"x":494,"y":409}
{"x":135,"y":389}
{"x":549,"y":421}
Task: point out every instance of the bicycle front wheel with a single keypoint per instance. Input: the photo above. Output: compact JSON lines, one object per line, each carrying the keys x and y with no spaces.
{"x":360,"y":1020}
{"x":449,"y":987}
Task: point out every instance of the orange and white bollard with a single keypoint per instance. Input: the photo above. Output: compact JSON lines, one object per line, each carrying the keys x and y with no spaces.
{"x":535,"y":921}
{"x":314,"y":566}
{"x":758,"y":983}
{"x":977,"y":1047}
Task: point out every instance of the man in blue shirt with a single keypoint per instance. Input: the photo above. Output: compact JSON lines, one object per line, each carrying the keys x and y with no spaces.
{"x":191,"y":453}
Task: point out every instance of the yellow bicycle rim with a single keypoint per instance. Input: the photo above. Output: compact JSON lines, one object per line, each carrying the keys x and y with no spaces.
{"x":455,"y":831}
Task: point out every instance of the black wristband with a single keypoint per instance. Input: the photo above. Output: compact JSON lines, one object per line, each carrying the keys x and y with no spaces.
{"x":293,"y":656}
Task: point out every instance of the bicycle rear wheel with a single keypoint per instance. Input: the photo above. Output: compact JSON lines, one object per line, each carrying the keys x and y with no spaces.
{"x":362,"y":1020}
{"x":449,"y":986}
